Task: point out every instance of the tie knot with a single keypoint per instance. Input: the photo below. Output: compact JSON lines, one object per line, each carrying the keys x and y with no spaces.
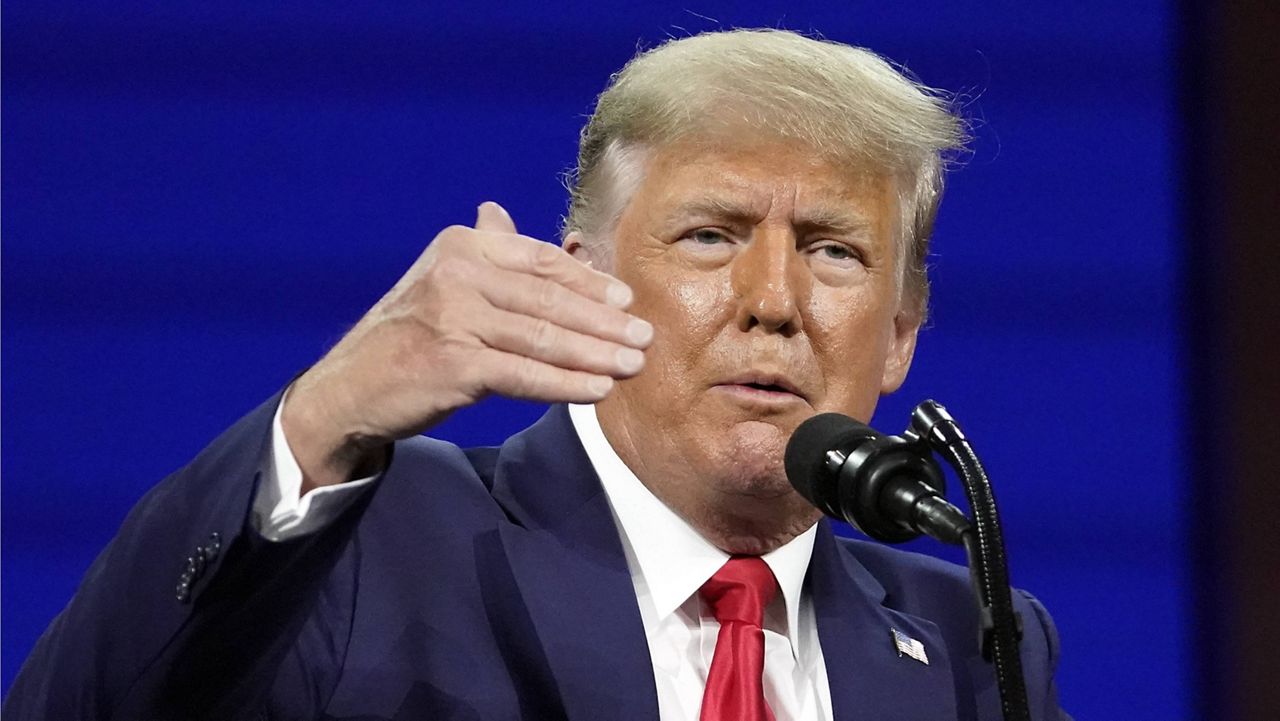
{"x":740,"y":590}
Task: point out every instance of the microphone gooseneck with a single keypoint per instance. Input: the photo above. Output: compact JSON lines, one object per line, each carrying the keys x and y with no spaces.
{"x":890,"y":488}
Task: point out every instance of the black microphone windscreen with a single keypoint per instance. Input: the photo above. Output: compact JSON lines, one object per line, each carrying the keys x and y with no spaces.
{"x":807,"y":450}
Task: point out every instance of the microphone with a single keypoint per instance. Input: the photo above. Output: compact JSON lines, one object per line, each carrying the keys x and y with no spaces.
{"x":888,"y":487}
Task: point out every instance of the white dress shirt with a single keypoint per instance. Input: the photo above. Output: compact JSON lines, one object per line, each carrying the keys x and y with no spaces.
{"x":669,"y":562}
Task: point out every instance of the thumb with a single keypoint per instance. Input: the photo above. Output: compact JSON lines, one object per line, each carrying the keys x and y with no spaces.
{"x":493,"y":218}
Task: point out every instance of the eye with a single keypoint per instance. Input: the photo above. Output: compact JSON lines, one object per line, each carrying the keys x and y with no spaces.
{"x":832,"y":251}
{"x":708,"y":236}
{"x":837,"y":252}
{"x":709,"y":243}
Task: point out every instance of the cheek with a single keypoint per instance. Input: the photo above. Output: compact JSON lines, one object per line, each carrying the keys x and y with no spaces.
{"x":704,"y":303}
{"x":851,"y":341}
{"x":848,"y":327}
{"x":687,"y":315}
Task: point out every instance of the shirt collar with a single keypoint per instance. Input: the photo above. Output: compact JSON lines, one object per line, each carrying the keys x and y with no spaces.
{"x":671,"y":558}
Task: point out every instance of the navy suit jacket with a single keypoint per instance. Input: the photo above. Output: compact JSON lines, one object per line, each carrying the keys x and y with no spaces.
{"x":481,"y":584}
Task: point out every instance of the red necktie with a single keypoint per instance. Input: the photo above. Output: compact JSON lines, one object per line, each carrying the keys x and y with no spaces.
{"x":738,"y":594}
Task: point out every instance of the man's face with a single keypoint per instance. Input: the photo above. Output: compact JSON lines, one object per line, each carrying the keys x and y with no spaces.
{"x":772,"y":278}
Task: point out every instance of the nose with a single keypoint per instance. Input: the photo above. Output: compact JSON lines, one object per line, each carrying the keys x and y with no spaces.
{"x":768,"y":284}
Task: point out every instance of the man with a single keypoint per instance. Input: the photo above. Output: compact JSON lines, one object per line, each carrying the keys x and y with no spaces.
{"x":745,"y":247}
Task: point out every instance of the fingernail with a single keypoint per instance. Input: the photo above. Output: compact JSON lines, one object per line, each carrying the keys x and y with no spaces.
{"x":639,"y":331}
{"x":600,"y":385}
{"x":618,"y":295}
{"x":630,"y":360}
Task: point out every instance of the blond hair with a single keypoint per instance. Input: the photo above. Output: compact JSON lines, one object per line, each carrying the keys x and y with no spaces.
{"x":844,"y":102}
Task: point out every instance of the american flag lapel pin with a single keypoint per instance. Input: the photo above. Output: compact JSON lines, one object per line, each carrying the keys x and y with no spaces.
{"x":908,"y":646}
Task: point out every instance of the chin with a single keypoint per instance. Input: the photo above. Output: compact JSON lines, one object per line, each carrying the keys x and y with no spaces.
{"x":753,"y":508}
{"x":749,"y":460}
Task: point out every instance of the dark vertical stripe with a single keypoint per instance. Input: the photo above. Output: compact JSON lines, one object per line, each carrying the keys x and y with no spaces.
{"x":1230,"y":71}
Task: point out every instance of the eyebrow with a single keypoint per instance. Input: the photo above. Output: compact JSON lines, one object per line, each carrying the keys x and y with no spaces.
{"x":820,"y":218}
{"x":837,"y":220}
{"x":714,"y":207}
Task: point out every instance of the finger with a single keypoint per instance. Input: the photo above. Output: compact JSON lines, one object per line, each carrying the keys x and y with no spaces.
{"x":544,"y":341}
{"x":493,"y":218}
{"x":523,"y":377}
{"x":545,"y":260}
{"x":548,"y":300}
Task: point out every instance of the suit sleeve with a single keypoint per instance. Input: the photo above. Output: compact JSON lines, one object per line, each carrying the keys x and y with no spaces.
{"x":1049,"y":633}
{"x":188,"y":612}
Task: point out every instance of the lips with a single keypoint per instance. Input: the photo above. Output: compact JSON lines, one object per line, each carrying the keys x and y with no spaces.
{"x":766,"y":381}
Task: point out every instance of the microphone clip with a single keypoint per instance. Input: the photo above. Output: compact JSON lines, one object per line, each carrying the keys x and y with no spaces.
{"x":872,"y":492}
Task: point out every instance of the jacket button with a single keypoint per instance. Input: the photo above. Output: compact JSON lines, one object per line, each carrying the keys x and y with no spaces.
{"x":183,"y":593}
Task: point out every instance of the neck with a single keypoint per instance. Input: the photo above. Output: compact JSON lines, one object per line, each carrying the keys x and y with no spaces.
{"x":751,"y":535}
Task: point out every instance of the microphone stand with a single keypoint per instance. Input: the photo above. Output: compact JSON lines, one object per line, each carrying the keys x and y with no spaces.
{"x":1001,"y":628}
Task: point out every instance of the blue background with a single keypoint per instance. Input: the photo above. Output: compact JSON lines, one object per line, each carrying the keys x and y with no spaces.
{"x":199,"y":198}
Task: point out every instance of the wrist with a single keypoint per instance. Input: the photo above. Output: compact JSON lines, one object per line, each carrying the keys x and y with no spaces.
{"x":326,"y":450}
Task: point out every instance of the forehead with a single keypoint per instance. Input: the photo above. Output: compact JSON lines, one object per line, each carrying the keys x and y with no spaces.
{"x":764,"y":177}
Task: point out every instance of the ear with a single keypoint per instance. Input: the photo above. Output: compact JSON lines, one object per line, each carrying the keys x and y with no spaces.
{"x":902,"y":348}
{"x":574,"y":246}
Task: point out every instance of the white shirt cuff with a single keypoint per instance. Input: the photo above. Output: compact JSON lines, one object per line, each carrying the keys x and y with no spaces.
{"x":278,"y":512}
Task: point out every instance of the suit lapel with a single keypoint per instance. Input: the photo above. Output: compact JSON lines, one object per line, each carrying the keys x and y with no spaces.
{"x":564,"y":605}
{"x":868,"y":677}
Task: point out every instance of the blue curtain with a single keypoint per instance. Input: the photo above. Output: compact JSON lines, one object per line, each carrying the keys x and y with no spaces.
{"x":199,"y":198}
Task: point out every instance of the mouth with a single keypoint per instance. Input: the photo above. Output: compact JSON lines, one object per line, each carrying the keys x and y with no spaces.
{"x":768,"y":387}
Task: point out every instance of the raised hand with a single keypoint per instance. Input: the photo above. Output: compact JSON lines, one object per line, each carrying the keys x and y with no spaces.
{"x":483,"y":310}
